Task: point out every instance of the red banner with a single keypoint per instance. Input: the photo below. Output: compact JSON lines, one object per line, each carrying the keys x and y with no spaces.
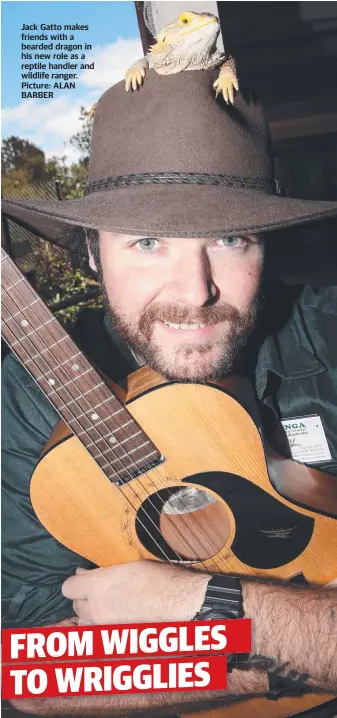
{"x":127,"y":640}
{"x":112,"y":677}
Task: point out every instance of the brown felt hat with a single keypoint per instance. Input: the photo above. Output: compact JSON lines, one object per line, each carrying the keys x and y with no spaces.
{"x":171,"y":160}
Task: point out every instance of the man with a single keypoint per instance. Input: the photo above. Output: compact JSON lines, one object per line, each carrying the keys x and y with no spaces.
{"x":181,"y":189}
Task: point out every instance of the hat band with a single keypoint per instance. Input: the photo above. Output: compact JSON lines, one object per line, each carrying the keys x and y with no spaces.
{"x":266,"y":185}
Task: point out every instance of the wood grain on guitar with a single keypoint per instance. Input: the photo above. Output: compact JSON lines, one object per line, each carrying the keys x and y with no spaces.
{"x":179,"y":472}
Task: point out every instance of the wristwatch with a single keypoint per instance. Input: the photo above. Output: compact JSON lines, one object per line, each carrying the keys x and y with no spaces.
{"x":223,"y":600}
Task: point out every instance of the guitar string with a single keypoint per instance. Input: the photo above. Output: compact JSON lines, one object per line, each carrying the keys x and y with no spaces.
{"x":119,"y":458}
{"x":135,"y":510}
{"x":177,"y":531}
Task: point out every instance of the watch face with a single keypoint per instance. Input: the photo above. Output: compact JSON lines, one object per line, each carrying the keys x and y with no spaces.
{"x":215,"y":615}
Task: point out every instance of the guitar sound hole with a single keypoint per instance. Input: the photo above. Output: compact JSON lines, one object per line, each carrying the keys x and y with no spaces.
{"x":183,"y":523}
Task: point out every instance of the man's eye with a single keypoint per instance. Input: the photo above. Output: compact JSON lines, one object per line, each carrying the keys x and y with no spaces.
{"x":147,"y":244}
{"x":232,"y":242}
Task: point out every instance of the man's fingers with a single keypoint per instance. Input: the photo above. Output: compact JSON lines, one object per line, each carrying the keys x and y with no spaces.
{"x":81,"y":609}
{"x":76,"y":587}
{"x":81,"y":570}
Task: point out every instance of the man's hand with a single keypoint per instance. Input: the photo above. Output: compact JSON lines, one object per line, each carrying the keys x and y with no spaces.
{"x":136,"y":592}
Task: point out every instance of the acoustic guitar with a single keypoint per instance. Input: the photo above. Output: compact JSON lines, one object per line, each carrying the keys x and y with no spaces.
{"x":168,"y":471}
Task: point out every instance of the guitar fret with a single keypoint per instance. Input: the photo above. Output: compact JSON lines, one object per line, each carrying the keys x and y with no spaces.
{"x":132,"y":466}
{"x":126,"y":468}
{"x":120,"y":443}
{"x":93,"y":388}
{"x":15,"y":284}
{"x":43,"y":376}
{"x":21,"y":311}
{"x":53,"y":345}
{"x":36,"y":301}
{"x":122,"y":425}
{"x":35,"y":334}
{"x":47,"y":349}
{"x":147,"y":456}
{"x":43,"y":351}
{"x":53,"y":319}
{"x":131,"y":437}
{"x":139,"y":447}
{"x":107,"y":466}
{"x":91,"y":408}
{"x":71,"y":381}
{"x":96,"y":423}
{"x":119,"y":458}
{"x":109,"y":398}
{"x":105,"y":436}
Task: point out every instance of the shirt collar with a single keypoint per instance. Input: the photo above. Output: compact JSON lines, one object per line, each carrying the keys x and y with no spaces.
{"x":133,"y":361}
{"x":290,"y":354}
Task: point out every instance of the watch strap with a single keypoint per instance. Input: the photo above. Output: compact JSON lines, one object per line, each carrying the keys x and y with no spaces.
{"x":282,"y":687}
{"x":223,"y":599}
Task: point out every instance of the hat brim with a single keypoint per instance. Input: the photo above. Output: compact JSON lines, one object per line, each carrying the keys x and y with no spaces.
{"x":166,"y":210}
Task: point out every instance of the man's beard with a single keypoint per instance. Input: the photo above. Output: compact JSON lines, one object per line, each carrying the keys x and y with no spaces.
{"x":179,"y":365}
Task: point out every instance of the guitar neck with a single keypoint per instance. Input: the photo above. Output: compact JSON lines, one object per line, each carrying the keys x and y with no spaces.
{"x":70,"y":382}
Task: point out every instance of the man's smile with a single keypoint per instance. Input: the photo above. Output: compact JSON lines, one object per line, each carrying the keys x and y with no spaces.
{"x":194,"y":331}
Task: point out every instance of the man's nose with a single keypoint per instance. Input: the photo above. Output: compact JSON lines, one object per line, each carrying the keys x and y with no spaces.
{"x":190,"y":281}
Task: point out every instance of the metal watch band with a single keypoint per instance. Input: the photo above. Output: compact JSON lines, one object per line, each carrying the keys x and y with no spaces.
{"x":282,"y":687}
{"x":223,"y":599}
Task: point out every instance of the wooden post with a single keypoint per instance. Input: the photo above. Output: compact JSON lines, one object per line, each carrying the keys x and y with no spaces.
{"x":145,"y":34}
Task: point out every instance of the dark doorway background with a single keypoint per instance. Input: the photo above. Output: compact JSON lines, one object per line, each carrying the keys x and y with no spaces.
{"x":287,"y":53}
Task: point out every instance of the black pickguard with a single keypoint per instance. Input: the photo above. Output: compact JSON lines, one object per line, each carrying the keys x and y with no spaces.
{"x":268,"y":533}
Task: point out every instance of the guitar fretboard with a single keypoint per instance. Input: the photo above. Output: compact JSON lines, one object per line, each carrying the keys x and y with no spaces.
{"x":71,"y":383}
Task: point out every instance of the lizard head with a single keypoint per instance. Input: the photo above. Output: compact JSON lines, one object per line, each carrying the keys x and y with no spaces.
{"x":192,"y":33}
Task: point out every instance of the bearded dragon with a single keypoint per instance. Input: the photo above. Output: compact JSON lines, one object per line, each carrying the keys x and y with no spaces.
{"x":187,"y":43}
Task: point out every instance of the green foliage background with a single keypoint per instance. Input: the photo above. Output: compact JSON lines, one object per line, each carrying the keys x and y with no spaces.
{"x":24,"y":166}
{"x":56,"y":279}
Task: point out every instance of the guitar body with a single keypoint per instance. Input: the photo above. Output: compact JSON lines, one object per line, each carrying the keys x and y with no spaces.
{"x":211,"y":443}
{"x":263,"y":708}
{"x":199,"y":491}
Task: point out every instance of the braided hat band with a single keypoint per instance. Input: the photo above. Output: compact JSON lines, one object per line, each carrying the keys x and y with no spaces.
{"x":201,"y":178}
{"x":173,"y":161}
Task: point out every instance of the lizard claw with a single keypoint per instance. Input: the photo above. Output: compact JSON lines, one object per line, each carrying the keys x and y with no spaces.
{"x":92,"y":111}
{"x":134,"y":77}
{"x":226,"y":83}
